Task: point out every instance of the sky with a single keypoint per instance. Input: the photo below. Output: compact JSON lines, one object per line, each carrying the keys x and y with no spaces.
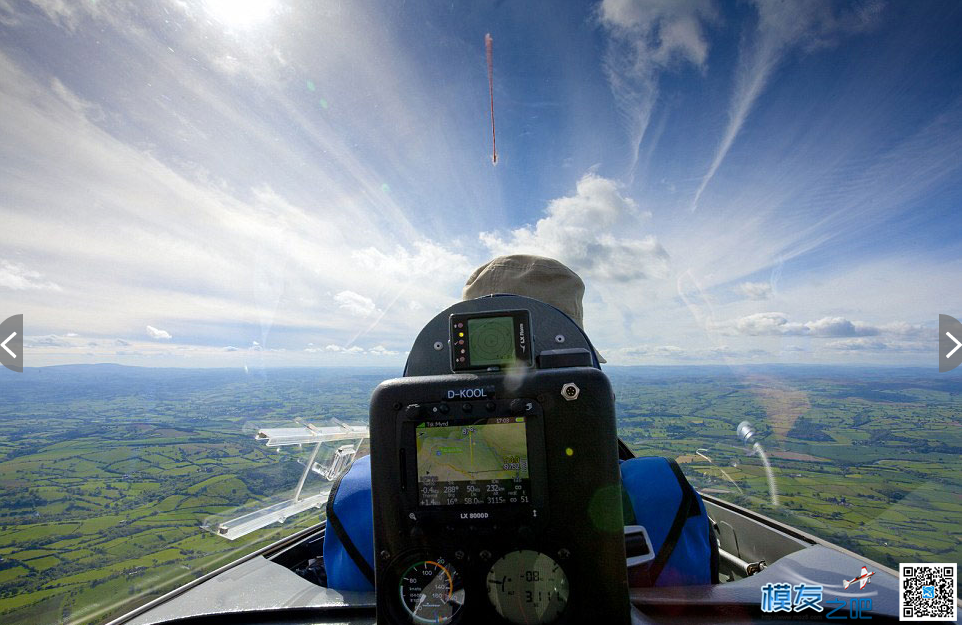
{"x":228,"y":183}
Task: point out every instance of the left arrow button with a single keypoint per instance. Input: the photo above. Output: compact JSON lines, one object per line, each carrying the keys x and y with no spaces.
{"x":11,"y":343}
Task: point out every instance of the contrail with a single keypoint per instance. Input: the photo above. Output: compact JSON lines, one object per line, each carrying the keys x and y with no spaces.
{"x":489,"y":50}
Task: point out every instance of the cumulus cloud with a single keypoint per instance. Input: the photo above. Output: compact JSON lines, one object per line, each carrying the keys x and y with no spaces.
{"x":649,"y":351}
{"x":336,"y":348}
{"x":230,"y":349}
{"x":862,"y":344}
{"x":380,"y":350}
{"x":19,"y":278}
{"x":577,"y":230}
{"x":903,"y":329}
{"x":46,"y":341}
{"x":647,"y":37}
{"x":755,"y":291}
{"x":156,"y":333}
{"x":355,"y":303}
{"x":773,"y":323}
{"x":644,"y":353}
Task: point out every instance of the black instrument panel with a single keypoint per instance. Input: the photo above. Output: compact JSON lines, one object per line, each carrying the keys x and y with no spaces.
{"x":559,"y":556}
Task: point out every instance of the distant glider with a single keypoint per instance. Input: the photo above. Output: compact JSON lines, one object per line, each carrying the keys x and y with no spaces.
{"x":865,"y":577}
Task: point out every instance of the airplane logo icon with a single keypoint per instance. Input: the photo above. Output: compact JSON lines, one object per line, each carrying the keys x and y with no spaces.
{"x":862,"y":580}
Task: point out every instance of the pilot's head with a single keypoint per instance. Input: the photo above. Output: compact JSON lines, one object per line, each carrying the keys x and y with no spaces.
{"x":531,"y":276}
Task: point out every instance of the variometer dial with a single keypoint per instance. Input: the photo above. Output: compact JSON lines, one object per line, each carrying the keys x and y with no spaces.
{"x":528,"y":587}
{"x":431,"y":591}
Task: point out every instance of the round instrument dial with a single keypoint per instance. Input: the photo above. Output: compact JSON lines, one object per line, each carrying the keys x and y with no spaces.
{"x":528,"y":587}
{"x":431,"y":592}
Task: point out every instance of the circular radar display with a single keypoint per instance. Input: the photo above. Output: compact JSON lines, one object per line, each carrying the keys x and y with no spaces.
{"x":431,"y":592}
{"x":491,"y":340}
{"x":528,"y":587}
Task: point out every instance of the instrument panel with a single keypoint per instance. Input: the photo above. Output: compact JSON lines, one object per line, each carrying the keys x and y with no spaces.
{"x":496,"y":492}
{"x":523,"y":587}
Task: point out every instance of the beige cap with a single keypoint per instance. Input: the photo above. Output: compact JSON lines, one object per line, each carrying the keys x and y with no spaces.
{"x":531,"y":276}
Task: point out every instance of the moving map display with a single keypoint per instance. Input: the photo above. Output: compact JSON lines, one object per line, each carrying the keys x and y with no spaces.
{"x":481,"y":462}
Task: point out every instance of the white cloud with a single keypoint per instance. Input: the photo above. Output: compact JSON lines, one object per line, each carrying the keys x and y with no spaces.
{"x":579,"y":231}
{"x":778,"y":324}
{"x":427,"y":260}
{"x":862,"y":344}
{"x":645,"y":38}
{"x":156,"y":333}
{"x":19,"y":278}
{"x":648,"y":351}
{"x":337,"y":348}
{"x":355,"y":303}
{"x":380,"y":350}
{"x":784,"y":25}
{"x":904,"y":329}
{"x":641,"y":354}
{"x":48,"y":341}
{"x":762,"y":324}
{"x":230,"y":349}
{"x":755,"y":291}
{"x":660,"y":31}
{"x":840,"y":327}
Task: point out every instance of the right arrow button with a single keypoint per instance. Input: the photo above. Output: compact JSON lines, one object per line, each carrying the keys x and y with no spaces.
{"x":950,"y":340}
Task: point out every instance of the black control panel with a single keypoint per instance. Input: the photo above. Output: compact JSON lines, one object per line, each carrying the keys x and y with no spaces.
{"x":501,"y":508}
{"x":494,"y":466}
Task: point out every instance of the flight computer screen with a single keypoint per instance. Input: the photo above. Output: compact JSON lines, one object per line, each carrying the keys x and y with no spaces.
{"x":491,"y":341}
{"x":477,"y":462}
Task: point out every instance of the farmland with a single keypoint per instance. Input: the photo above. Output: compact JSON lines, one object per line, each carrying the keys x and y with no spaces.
{"x":867,"y":459}
{"x":107,"y":473}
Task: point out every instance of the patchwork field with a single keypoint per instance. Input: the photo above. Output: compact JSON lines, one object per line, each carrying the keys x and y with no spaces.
{"x":108,"y":473}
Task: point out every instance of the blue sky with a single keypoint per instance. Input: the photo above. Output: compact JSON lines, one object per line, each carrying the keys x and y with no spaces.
{"x":227,"y":183}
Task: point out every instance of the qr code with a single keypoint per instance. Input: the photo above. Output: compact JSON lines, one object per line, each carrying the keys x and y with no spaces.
{"x":928,"y":591}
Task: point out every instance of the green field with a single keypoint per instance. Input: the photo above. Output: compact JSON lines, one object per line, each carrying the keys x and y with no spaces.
{"x":108,"y":473}
{"x":870,"y":460}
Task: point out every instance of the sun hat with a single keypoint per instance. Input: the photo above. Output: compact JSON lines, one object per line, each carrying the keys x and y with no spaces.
{"x":537,"y":277}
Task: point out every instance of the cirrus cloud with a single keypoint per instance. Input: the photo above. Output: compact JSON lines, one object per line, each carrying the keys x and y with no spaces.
{"x":755,"y":291}
{"x":19,"y":278}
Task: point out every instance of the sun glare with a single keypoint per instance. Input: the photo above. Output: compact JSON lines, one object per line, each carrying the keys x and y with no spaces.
{"x":240,"y":13}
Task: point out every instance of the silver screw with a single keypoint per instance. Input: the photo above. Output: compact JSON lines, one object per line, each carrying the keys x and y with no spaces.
{"x":559,"y":338}
{"x":438,"y":346}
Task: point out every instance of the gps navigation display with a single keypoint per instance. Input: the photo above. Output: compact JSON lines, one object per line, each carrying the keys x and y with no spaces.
{"x":481,"y":462}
